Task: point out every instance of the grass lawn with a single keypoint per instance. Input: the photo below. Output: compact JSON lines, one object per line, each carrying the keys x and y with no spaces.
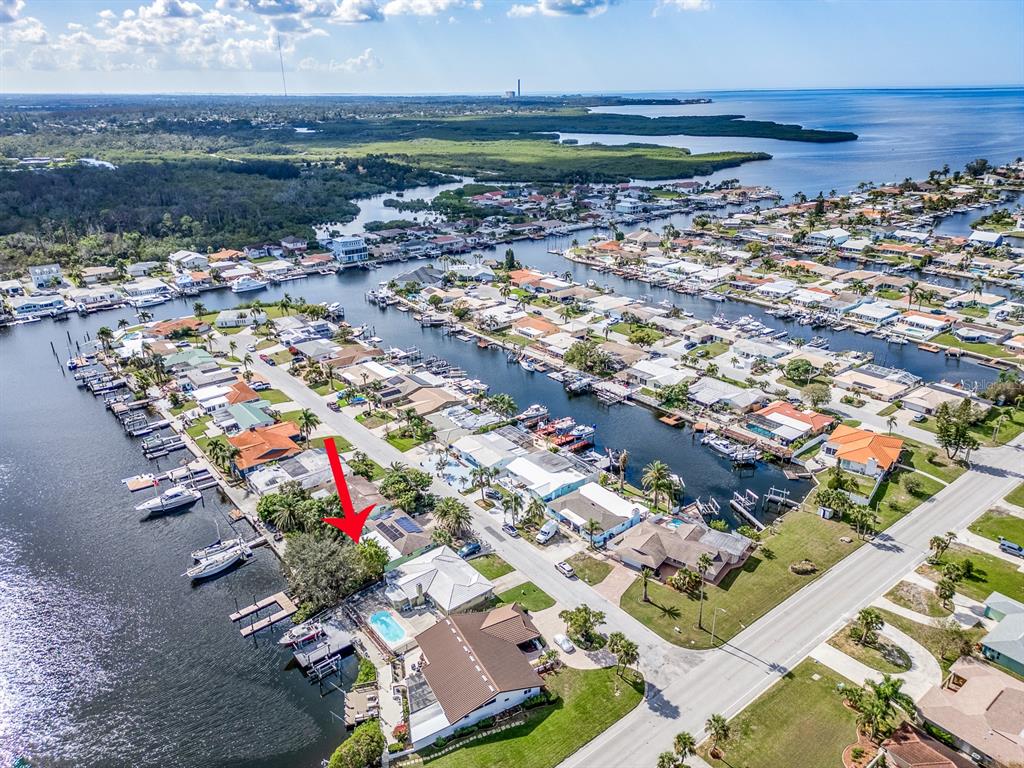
{"x":188,"y":405}
{"x":929,"y":636}
{"x":590,"y":569}
{"x":883,"y":655}
{"x":1016,"y":496}
{"x":342,"y":444}
{"x":491,"y":566}
{"x":991,"y":573}
{"x":996,"y":523}
{"x":714,"y":349}
{"x":890,"y":409}
{"x":973,"y":311}
{"x":989,"y":350}
{"x":200,"y":427}
{"x":894,"y":500}
{"x":627,"y":328}
{"x":589,"y":702}
{"x":932,"y":461}
{"x":916,"y":598}
{"x":402,"y":443}
{"x":282,"y":357}
{"x":799,"y":721}
{"x":528,"y":595}
{"x":274,"y":396}
{"x":1009,"y":428}
{"x":265,"y":344}
{"x":323,"y":389}
{"x":748,"y":593}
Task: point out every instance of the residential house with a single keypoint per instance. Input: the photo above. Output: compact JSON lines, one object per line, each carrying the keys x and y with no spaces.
{"x":1004,"y":644}
{"x":46,"y":276}
{"x":310,"y":469}
{"x":877,"y":381}
{"x":181,"y":326}
{"x":259,"y":446}
{"x":142,"y":268}
{"x":187,"y":261}
{"x":239,"y":318}
{"x":593,"y":502}
{"x":549,"y":476}
{"x":708,"y":391}
{"x":862,"y":451}
{"x":655,"y":373}
{"x":474,"y":667}
{"x":828,"y":237}
{"x":294,"y":246}
{"x":982,"y":708}
{"x":11,"y":288}
{"x":349,"y":249}
{"x":93,"y":275}
{"x":31,"y":306}
{"x":927,"y":398}
{"x":398,"y":533}
{"x":239,"y":417}
{"x":910,"y":747}
{"x":146,"y":287}
{"x":440,"y":576}
{"x":782,"y":422}
{"x":86,"y":297}
{"x":666,"y":549}
{"x":873,"y":313}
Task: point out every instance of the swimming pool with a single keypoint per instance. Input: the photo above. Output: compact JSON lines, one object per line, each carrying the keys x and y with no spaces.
{"x":674,"y":523}
{"x":384,"y":624}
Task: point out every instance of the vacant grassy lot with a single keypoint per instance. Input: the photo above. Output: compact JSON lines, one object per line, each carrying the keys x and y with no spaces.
{"x":589,"y":702}
{"x":930,"y":636}
{"x":1016,"y":496}
{"x":590,"y":569}
{"x":799,"y":721}
{"x":529,"y":596}
{"x":340,"y":442}
{"x":274,"y":396}
{"x":1010,"y":421}
{"x":491,"y":566}
{"x":764,"y":581}
{"x":996,"y":523}
{"x":991,"y":573}
{"x":932,"y":461}
{"x":882,"y":654}
{"x":894,"y":498}
{"x":918,"y":599}
{"x":990,"y":350}
{"x":402,"y":443}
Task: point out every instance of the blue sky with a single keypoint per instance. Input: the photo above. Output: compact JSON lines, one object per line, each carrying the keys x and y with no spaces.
{"x":482,"y":46}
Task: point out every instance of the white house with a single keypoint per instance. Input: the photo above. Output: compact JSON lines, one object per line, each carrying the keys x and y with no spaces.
{"x":491,"y":450}
{"x":30,"y":306}
{"x":655,"y":373}
{"x":550,"y":475}
{"x":612,"y":513}
{"x":212,"y":398}
{"x":442,"y":577}
{"x":309,"y":469}
{"x":834,"y":236}
{"x":187,"y":261}
{"x":349,"y":249}
{"x":145,"y":287}
{"x":45,"y":276}
{"x":874,"y":312}
{"x":141,"y":268}
{"x":238,"y":318}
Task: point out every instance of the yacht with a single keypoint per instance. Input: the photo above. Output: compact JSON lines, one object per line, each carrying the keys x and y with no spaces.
{"x":246,"y":284}
{"x":712,"y":296}
{"x":172,"y":498}
{"x":534,"y":413}
{"x":147,"y":301}
{"x":218,"y":563}
{"x":526,"y":365}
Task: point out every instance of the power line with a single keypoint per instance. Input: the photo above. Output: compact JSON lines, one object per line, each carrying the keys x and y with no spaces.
{"x":280,"y":57}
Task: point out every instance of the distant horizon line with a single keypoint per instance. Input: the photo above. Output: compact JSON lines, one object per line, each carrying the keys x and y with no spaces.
{"x":498,"y":94}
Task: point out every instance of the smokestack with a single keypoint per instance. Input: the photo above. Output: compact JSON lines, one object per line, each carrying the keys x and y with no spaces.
{"x":519,"y":88}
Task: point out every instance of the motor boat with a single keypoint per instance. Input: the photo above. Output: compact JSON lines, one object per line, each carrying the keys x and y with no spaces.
{"x":218,"y":563}
{"x":172,"y":498}
{"x":246,"y":284}
{"x":535,"y":412}
{"x":302,"y":633}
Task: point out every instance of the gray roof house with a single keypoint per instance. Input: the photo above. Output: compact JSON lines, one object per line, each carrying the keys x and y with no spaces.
{"x":1005,"y":643}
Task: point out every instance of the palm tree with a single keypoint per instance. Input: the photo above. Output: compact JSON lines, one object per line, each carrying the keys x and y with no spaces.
{"x":535,"y":511}
{"x":247,"y":360}
{"x":452,"y":516}
{"x":592,"y":527}
{"x":645,"y":579}
{"x":105,"y":335}
{"x":307,"y":422}
{"x":684,"y":746}
{"x":232,"y":346}
{"x":718,"y":729}
{"x":514,"y":505}
{"x":704,"y":563}
{"x":122,"y":323}
{"x":503,"y":404}
{"x":198,"y":309}
{"x":622,"y":461}
{"x":912,"y":287}
{"x":145,"y":317}
{"x":657,"y":478}
{"x":481,"y":478}
{"x":285,"y":516}
{"x":667,"y":760}
{"x":891,"y":422}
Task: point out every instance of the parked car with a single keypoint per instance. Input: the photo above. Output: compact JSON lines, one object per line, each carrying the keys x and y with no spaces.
{"x":250,"y":348}
{"x":492,"y":494}
{"x":470,"y":549}
{"x":563,"y":642}
{"x":510,"y":530}
{"x":265,"y":358}
{"x":918,"y":418}
{"x":565,"y":569}
{"x":1010,"y":547}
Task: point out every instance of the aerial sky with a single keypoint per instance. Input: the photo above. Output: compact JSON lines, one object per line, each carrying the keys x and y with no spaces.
{"x":483,"y":46}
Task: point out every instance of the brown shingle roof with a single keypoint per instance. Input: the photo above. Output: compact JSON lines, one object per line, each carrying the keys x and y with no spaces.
{"x":915,"y":749}
{"x":467,"y":666}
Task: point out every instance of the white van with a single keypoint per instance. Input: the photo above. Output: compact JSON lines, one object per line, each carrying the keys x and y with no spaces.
{"x":547,"y":532}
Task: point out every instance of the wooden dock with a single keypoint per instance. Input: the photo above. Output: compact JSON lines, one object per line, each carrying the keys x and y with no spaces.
{"x":672,"y":420}
{"x":286,"y":608}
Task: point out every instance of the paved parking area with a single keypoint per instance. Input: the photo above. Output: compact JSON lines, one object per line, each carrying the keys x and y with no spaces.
{"x":616,"y":582}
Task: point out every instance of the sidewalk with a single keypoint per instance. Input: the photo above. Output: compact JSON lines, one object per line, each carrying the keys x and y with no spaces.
{"x":987,"y":546}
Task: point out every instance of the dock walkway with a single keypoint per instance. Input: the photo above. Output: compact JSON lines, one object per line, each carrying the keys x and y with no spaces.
{"x":286,"y":608}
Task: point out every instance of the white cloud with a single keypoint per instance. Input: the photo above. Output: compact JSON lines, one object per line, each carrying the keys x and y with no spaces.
{"x":561,"y":8}
{"x":10,"y":10}
{"x":356,"y":12}
{"x":364,"y":62}
{"x":682,"y":5}
{"x":418,"y":7}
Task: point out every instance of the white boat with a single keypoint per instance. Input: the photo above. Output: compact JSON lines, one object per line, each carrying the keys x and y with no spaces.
{"x":147,"y":301}
{"x":221,"y":545}
{"x":172,"y":498}
{"x":582,"y":431}
{"x":211,"y":566}
{"x":302,"y":633}
{"x":534,"y":413}
{"x":526,"y":365}
{"x":246,"y":284}
{"x":712,"y":296}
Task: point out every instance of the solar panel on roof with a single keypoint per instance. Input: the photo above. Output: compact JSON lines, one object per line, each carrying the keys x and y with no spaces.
{"x":407,"y":525}
{"x":389,"y":531}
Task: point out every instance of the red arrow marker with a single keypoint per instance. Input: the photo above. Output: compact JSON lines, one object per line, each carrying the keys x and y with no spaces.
{"x":352,"y":523}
